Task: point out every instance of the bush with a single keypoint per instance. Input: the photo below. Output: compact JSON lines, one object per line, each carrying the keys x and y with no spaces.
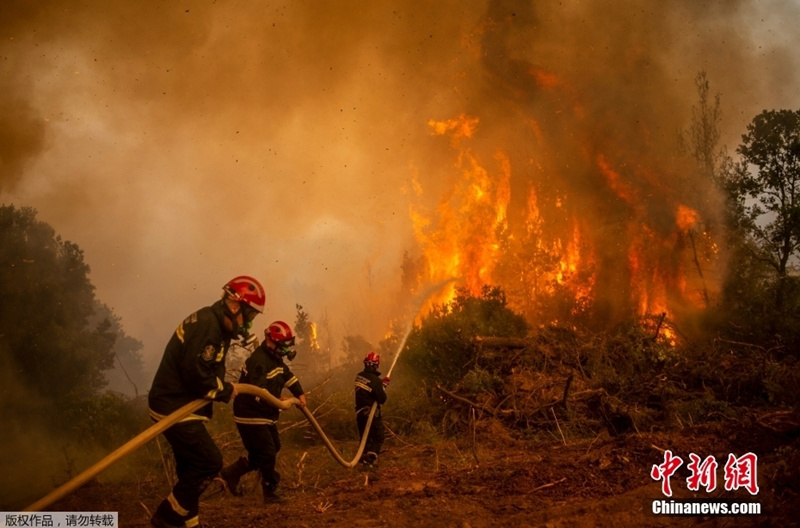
{"x":108,"y":419}
{"x":440,"y":350}
{"x":479,"y":380}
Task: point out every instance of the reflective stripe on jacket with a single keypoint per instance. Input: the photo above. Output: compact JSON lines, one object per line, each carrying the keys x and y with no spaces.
{"x":193,"y":365}
{"x":369,"y":389}
{"x":265,"y":369}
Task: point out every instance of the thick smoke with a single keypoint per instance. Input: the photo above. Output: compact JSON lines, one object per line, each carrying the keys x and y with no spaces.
{"x":180,"y":144}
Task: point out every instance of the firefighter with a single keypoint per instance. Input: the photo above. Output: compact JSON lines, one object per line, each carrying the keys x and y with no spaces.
{"x":370,"y":388}
{"x":193,"y":367}
{"x":257,"y":420}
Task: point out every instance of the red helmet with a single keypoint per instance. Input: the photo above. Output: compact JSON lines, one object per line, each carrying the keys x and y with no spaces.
{"x":247,"y":290}
{"x":280,"y":333}
{"x":372,"y":360}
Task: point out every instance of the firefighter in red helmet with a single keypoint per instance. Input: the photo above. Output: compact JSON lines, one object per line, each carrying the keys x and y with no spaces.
{"x":257,"y":420}
{"x":370,"y":388}
{"x":193,"y":367}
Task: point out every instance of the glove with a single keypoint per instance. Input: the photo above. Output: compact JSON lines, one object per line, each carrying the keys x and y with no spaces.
{"x":226,"y":393}
{"x":385,"y":381}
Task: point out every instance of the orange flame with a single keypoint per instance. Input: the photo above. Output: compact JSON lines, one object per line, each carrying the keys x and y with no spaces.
{"x":551,"y":252}
{"x":686,"y":218}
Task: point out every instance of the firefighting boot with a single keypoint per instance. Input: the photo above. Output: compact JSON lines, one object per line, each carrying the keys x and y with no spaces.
{"x":370,"y":458}
{"x":270,"y":495}
{"x":231,"y":475}
{"x":158,"y":522}
{"x":268,"y":488}
{"x":166,"y":517}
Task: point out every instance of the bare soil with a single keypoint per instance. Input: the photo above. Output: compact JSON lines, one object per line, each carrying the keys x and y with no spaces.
{"x":490,"y":479}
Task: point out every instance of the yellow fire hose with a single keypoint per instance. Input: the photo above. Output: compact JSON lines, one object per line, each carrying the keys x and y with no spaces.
{"x":133,"y":444}
{"x":285,"y":404}
{"x":242,"y":388}
{"x":162,"y":425}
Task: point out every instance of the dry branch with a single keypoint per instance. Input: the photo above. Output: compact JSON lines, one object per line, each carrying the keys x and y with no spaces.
{"x":464,"y":400}
{"x":563,"y":400}
{"x":500,"y":342}
{"x":658,"y":327}
{"x":548,"y":485}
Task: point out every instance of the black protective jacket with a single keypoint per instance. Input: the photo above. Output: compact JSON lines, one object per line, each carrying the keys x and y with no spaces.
{"x":369,"y":389}
{"x":266,"y":369}
{"x":193,"y":365}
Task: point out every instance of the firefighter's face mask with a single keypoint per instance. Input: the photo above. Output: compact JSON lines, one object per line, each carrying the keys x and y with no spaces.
{"x":244,"y":328}
{"x":286,"y":348}
{"x":242,"y":320}
{"x":248,"y":314}
{"x":289,"y":353}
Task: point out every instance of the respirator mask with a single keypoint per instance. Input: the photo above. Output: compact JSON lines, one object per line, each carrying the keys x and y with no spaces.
{"x":245,"y":313}
{"x":286,"y":348}
{"x":243,"y":330}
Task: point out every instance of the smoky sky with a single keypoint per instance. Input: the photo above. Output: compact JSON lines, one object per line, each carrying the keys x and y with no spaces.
{"x":182,"y":143}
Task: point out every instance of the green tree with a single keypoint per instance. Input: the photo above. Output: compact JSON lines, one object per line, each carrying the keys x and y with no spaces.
{"x":47,"y":340}
{"x":765,"y":190}
{"x":127,"y":375}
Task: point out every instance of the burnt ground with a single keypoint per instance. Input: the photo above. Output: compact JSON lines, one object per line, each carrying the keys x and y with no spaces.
{"x":488,"y":479}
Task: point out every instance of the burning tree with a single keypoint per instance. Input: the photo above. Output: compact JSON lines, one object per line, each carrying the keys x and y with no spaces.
{"x":561,"y":255}
{"x":312,"y":360}
{"x":564,"y":189}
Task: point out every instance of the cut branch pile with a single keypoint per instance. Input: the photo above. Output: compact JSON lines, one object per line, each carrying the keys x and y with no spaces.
{"x":618,"y":382}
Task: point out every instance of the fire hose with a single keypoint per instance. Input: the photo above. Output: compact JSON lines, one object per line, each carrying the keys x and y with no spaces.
{"x":313,"y":421}
{"x":241,"y":388}
{"x":151,"y":432}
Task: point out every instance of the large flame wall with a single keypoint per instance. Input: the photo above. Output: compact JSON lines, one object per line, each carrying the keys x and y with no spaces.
{"x":563,"y":182}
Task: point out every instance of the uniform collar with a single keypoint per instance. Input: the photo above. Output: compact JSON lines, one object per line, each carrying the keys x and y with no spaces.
{"x":218,"y":308}
{"x":271,"y":352}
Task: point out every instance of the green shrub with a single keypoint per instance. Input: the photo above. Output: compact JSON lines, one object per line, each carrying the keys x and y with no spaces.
{"x":479,"y":380}
{"x":440,"y":350}
{"x":108,"y":419}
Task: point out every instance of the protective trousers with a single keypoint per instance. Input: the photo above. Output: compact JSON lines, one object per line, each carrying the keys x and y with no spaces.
{"x":376,"y":431}
{"x":262,"y":443}
{"x":197,"y":462}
